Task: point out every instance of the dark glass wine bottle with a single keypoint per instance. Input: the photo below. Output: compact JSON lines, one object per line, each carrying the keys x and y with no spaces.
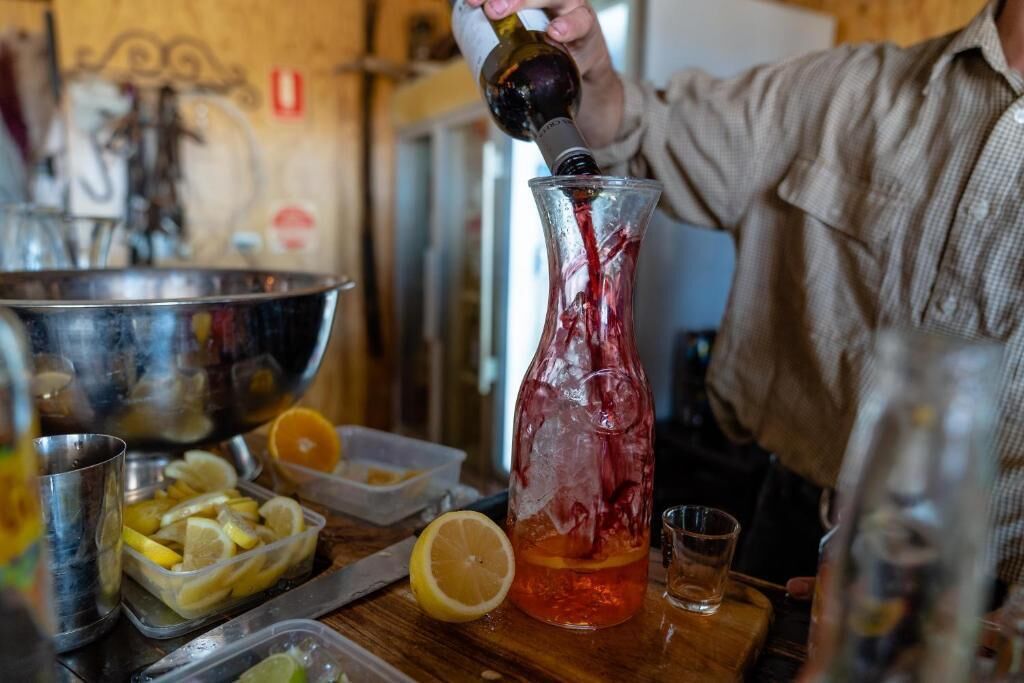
{"x":531,"y":86}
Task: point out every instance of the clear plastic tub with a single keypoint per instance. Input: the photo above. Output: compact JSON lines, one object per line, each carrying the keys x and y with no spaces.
{"x":440,"y":467}
{"x":329,"y":656}
{"x":225,"y":584}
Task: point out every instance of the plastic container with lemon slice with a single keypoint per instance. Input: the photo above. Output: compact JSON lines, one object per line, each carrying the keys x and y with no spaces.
{"x":435,"y":471}
{"x":324,"y":655}
{"x":228,"y":583}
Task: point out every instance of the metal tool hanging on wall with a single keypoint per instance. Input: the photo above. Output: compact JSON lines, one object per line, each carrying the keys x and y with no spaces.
{"x":154,"y":72}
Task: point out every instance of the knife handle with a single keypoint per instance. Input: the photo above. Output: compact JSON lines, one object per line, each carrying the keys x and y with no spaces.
{"x":495,"y":507}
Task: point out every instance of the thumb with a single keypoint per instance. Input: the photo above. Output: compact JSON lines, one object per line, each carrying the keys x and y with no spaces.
{"x":800,"y":588}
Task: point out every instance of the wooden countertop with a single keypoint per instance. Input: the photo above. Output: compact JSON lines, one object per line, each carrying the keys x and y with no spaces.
{"x":389,"y":624}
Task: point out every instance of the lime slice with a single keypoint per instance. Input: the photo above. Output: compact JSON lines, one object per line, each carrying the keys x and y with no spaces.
{"x":279,"y":668}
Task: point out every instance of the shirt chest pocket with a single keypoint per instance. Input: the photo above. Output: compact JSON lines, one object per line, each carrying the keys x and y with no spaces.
{"x":837,"y":245}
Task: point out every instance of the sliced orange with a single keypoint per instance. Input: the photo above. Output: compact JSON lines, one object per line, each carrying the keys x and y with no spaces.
{"x":304,"y":437}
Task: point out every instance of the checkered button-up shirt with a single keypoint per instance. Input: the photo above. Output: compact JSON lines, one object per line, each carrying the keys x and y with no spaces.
{"x":865,"y":186}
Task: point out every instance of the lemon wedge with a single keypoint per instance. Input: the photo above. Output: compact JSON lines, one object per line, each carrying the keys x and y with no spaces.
{"x":461,"y":567}
{"x":145,"y":517}
{"x":150,"y":549}
{"x":172,"y":534}
{"x":203,"y":505}
{"x":283,"y":516}
{"x":213,"y":472}
{"x":205,"y":544}
{"x":237,"y":528}
{"x":245,"y":507}
{"x":180,"y":491}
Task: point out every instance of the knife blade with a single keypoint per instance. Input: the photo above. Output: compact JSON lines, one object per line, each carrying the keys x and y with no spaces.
{"x":312,"y":599}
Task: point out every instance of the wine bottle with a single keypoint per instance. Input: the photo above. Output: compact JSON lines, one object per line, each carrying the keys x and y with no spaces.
{"x":531,"y":86}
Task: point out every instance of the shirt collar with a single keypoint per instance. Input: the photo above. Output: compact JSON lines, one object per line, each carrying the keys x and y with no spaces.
{"x":981,"y":34}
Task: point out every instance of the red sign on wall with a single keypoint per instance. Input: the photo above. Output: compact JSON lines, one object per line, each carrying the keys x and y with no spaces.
{"x":293,"y":227}
{"x":287,"y":94}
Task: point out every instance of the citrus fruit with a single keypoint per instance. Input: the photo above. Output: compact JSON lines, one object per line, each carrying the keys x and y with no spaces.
{"x":194,"y":602}
{"x":181,"y":473}
{"x":283,"y":515}
{"x":305,"y":437}
{"x":238,"y":529}
{"x":150,"y":549}
{"x":213,"y":472}
{"x":204,"y":504}
{"x":145,"y":517}
{"x":205,"y":544}
{"x":461,"y":567}
{"x":247,"y":568}
{"x":279,"y":668}
{"x":179,"y":491}
{"x":377,"y":476}
{"x":172,"y":534}
{"x":246,"y":507}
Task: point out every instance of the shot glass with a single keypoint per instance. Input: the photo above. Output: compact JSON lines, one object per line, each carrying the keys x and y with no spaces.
{"x":698,"y":544}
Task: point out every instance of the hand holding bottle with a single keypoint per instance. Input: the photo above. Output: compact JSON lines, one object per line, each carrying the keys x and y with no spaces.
{"x":575,"y":25}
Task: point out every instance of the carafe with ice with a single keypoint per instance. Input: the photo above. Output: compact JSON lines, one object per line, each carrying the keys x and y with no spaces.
{"x":583,"y":459}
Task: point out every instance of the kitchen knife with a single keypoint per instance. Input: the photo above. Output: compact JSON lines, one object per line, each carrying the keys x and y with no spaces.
{"x":313,"y":599}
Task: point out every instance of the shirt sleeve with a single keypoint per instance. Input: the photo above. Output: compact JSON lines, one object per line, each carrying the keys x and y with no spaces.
{"x":716,"y":143}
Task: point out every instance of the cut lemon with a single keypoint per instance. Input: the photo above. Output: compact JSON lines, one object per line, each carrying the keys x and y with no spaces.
{"x":179,"y":491}
{"x":279,"y":668}
{"x":194,"y":602}
{"x":205,"y":544}
{"x":145,"y":517}
{"x":305,"y":437}
{"x":150,"y":549}
{"x":283,"y":516}
{"x":245,"y":507}
{"x":238,"y":529}
{"x":247,"y":568}
{"x":172,"y":534}
{"x":180,"y":471}
{"x":213,"y":472}
{"x":461,"y":567}
{"x":205,"y":504}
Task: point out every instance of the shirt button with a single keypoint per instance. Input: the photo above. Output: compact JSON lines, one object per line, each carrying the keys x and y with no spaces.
{"x":947,"y":305}
{"x":979,"y":210}
{"x":1018,"y":115}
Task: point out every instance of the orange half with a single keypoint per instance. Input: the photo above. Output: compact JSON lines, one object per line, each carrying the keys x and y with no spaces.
{"x":304,"y":437}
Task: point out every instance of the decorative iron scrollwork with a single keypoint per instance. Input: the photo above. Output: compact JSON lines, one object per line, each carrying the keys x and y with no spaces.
{"x":181,"y":61}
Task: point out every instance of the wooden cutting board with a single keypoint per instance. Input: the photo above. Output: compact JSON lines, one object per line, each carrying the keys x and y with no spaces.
{"x":662,"y":643}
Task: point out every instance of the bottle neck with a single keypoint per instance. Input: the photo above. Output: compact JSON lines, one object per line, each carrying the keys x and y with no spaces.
{"x":563,"y":147}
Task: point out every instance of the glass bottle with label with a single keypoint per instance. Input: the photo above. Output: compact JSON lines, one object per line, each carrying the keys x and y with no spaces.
{"x":908,"y":575}
{"x":26,"y":619}
{"x":531,"y":86}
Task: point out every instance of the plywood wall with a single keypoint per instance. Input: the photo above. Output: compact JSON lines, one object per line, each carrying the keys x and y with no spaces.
{"x":22,"y":14}
{"x":900,"y":21}
{"x":314,"y":160}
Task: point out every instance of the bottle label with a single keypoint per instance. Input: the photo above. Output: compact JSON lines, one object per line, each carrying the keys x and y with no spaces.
{"x":558,"y":140}
{"x":476,"y":37}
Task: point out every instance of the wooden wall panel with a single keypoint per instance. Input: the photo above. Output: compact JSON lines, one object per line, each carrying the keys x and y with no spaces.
{"x":899,"y":21}
{"x":315,"y":159}
{"x":22,"y":14}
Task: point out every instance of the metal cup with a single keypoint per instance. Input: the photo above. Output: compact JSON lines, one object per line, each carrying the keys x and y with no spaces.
{"x":82,"y":491}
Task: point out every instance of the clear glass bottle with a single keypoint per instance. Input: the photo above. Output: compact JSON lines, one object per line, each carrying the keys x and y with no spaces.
{"x":583,"y":459}
{"x":908,"y":575}
{"x":26,"y":617}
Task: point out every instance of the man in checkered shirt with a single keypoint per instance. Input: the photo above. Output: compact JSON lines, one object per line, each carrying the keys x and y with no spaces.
{"x":865,"y":186}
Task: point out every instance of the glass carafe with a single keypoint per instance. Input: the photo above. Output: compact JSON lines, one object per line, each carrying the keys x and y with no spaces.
{"x":909,"y":562}
{"x":583,"y":459}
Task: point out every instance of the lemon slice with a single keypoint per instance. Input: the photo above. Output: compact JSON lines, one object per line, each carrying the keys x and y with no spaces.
{"x":205,"y":544}
{"x":172,"y":534}
{"x":213,"y":472}
{"x":196,"y":601}
{"x":180,"y":491}
{"x":246,"y":508}
{"x":283,"y":516}
{"x":237,"y":528}
{"x":279,"y":668}
{"x":205,"y":504}
{"x":247,"y":568}
{"x":145,"y":517}
{"x":151,"y":550}
{"x":182,"y":473}
{"x":461,"y":567}
{"x":160,"y":494}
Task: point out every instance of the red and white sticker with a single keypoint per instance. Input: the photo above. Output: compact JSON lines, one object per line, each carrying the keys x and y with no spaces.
{"x":293,"y":227}
{"x":287,"y":94}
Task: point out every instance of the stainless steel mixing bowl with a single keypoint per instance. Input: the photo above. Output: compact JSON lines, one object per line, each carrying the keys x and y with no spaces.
{"x":171,"y":359}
